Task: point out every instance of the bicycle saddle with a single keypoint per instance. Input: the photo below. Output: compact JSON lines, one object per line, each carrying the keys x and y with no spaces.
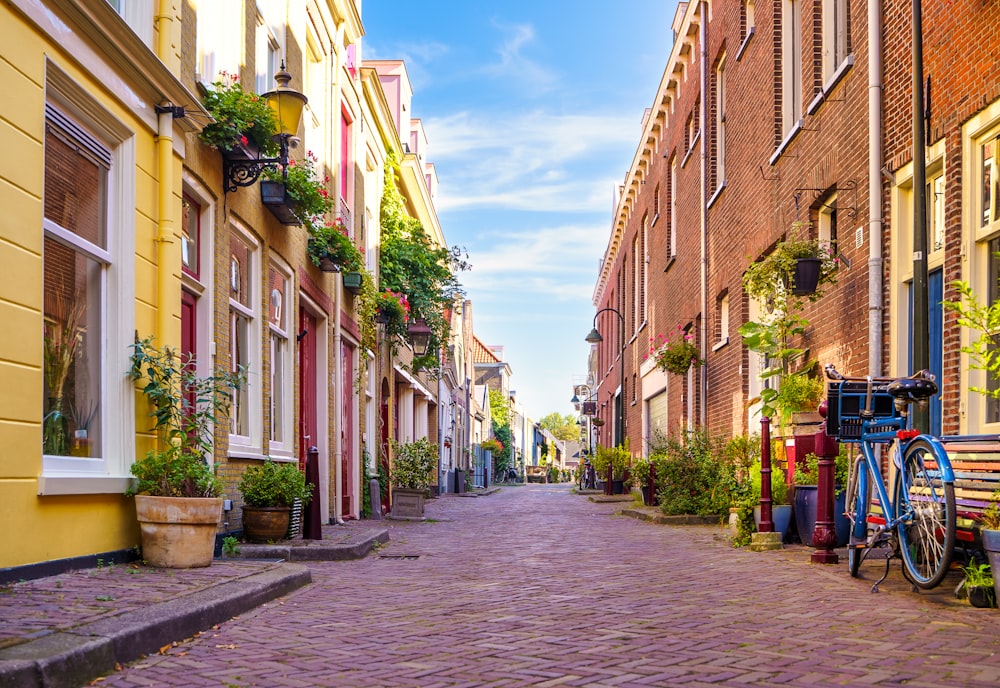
{"x":913,"y":388}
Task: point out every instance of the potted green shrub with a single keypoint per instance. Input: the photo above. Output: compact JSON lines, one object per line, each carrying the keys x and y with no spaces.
{"x":642,"y":473}
{"x":177,"y":494}
{"x":297,"y":194}
{"x":269,"y":491}
{"x":410,"y":475}
{"x":979,"y":584}
{"x":331,"y":250}
{"x":617,"y":458}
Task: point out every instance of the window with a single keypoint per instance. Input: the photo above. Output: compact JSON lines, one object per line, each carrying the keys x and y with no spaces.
{"x":635,"y":287}
{"x":835,"y":36}
{"x":219,"y":39}
{"x":672,"y":212}
{"x":656,"y":203}
{"x":656,"y":418}
{"x":935,"y":211}
{"x":722,"y":319}
{"x":138,"y":14}
{"x":278,"y":321}
{"x":791,"y":64}
{"x":827,"y":223}
{"x":689,"y":132}
{"x":641,"y":258}
{"x":87,"y":303}
{"x":267,"y":54}
{"x":244,"y":339}
{"x":190,"y":236}
{"x":747,"y":26}
{"x":986,"y":266}
{"x":720,"y":122}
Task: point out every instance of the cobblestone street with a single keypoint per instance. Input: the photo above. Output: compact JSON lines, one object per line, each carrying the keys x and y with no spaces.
{"x":538,"y":586}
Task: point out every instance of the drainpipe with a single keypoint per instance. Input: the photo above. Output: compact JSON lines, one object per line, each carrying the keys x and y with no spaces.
{"x":338,"y":403}
{"x":875,"y":300}
{"x":167,"y":249}
{"x":703,"y":152}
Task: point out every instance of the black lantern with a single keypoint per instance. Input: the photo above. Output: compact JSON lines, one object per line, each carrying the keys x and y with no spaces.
{"x":420,"y":337}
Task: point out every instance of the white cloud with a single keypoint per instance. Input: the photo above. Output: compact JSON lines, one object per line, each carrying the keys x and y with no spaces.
{"x":530,"y":75}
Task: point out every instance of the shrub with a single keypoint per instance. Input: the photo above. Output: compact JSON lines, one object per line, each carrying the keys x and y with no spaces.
{"x":691,"y":475}
{"x":413,"y":464}
{"x":273,"y":484}
{"x":239,"y":116}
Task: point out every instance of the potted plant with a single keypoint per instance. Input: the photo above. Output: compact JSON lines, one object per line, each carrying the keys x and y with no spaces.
{"x":297,"y":194}
{"x":678,"y":353}
{"x":617,"y":458}
{"x":989,"y":532}
{"x":641,"y":473}
{"x":176,"y":489}
{"x":244,"y":123}
{"x":410,"y":475}
{"x":806,"y":504}
{"x":331,"y":250}
{"x":979,"y":584}
{"x":492,"y":444}
{"x":269,"y":492}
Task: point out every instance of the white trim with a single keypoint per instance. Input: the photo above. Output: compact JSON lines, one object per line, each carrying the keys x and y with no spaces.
{"x":414,"y":382}
{"x":68,"y":484}
{"x":252,"y":442}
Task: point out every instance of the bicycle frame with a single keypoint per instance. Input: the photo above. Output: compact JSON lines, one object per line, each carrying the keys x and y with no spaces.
{"x":884,"y":431}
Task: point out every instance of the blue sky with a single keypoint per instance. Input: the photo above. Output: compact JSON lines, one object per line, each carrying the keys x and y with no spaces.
{"x":533,"y":111}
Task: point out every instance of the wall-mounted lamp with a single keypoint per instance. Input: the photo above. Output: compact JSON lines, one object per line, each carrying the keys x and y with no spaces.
{"x":420,"y":337}
{"x":287,"y":104}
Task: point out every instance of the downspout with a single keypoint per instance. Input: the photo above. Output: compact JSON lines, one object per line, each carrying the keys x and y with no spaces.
{"x":703,"y":151}
{"x":338,"y":403}
{"x":338,"y":332}
{"x":167,"y":249}
{"x":876,"y":304}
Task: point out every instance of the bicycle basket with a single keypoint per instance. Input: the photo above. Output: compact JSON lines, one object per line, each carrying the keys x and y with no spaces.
{"x":846,"y":402}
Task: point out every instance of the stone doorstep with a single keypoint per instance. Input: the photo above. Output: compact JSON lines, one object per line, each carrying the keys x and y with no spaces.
{"x":68,"y":658}
{"x":654,"y":515}
{"x":353,"y":547}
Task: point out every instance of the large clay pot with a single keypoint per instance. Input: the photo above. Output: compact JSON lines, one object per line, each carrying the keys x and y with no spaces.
{"x":265,"y":523}
{"x":178,"y":532}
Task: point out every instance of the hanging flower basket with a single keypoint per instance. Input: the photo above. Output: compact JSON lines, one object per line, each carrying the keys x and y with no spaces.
{"x":678,"y":354}
{"x":805,"y":278}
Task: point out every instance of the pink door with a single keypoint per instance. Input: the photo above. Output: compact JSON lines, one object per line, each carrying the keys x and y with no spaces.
{"x":348,"y":429}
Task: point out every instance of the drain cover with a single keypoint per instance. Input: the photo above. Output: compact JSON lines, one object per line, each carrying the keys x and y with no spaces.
{"x":399,"y":556}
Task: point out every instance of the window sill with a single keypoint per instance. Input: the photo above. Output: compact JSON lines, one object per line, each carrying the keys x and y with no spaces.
{"x":245,"y":453}
{"x":720,"y":344}
{"x":746,"y":42}
{"x":690,"y":150}
{"x":715,"y":196}
{"x":793,"y":132}
{"x":670,"y":261}
{"x":49,"y":485}
{"x":821,"y":97}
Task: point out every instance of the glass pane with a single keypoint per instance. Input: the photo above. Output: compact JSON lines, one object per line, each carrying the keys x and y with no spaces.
{"x":75,"y":190}
{"x":278,"y":346}
{"x":276,"y":309}
{"x":993,"y":280}
{"x":190,"y":235}
{"x":239,"y":333}
{"x":990,"y":182}
{"x":239,"y":274}
{"x":71,"y":352}
{"x":935,"y":212}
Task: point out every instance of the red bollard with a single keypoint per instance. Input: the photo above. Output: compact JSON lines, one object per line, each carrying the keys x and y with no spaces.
{"x":825,"y":534}
{"x":766,"y":524}
{"x":312,"y":519}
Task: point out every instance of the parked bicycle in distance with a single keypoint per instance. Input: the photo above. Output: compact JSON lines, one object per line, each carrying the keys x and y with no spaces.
{"x":917,"y":518}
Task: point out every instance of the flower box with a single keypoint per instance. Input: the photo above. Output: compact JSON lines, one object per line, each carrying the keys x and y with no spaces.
{"x":352,"y":282}
{"x":275,"y":198}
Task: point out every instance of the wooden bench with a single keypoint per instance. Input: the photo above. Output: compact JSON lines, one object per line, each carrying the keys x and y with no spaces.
{"x":976,"y":462}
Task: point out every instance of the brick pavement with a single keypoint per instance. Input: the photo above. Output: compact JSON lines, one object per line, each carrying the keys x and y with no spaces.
{"x":536,"y":586}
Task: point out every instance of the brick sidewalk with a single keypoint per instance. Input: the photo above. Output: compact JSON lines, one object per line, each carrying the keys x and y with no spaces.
{"x":536,"y":586}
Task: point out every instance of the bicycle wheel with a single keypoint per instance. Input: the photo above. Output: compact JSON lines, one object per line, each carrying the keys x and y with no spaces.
{"x":926,"y":505}
{"x":858,"y":492}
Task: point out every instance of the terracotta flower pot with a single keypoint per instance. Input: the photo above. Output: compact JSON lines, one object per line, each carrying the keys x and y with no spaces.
{"x":178,"y":532}
{"x":265,"y":523}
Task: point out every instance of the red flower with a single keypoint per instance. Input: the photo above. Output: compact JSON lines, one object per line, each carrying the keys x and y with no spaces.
{"x":243,"y":139}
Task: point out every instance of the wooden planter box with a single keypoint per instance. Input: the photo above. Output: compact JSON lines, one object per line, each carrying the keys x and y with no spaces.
{"x":352,"y":282}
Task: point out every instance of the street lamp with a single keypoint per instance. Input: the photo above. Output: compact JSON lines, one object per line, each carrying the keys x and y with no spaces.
{"x":287,"y":104}
{"x":420,"y":336}
{"x":595,"y":338}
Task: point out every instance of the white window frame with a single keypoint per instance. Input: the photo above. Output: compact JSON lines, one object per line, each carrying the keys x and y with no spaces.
{"x":977,"y":232}
{"x":249,"y":445}
{"x":219,"y":39}
{"x":835,"y":35}
{"x":283,"y":330}
{"x":62,"y":475}
{"x":720,"y":123}
{"x":791,"y":65}
{"x":138,"y":14}
{"x":722,"y":314}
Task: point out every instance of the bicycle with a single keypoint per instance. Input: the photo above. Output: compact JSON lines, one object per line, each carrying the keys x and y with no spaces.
{"x":507,"y":475}
{"x":917,"y":520}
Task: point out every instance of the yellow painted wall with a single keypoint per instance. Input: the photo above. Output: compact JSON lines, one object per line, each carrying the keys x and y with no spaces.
{"x":43,"y":528}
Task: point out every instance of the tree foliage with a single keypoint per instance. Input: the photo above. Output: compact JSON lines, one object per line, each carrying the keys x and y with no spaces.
{"x":562,"y":426}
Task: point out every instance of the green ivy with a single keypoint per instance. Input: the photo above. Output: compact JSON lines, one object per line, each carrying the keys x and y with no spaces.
{"x":273,"y":484}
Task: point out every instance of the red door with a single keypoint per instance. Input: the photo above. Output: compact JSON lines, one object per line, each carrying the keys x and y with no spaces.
{"x":307,"y":385}
{"x":189,"y":334}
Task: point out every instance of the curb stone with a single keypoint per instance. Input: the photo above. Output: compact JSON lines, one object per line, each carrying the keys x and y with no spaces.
{"x":65,"y":659}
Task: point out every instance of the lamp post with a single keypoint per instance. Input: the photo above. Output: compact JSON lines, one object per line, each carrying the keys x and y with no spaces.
{"x":595,"y":338}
